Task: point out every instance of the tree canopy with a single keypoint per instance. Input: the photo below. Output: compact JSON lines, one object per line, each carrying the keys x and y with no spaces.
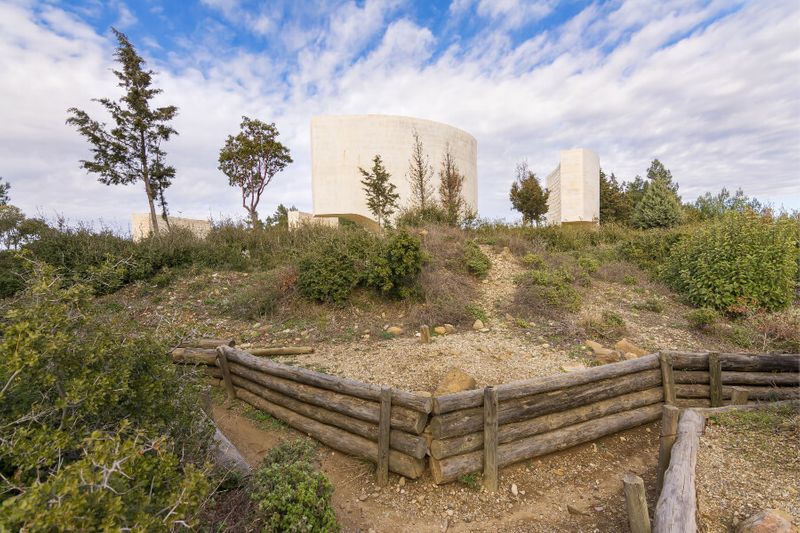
{"x":4,"y":188}
{"x":527,"y":196}
{"x":659,"y":208}
{"x":380,"y":191}
{"x":615,"y":205}
{"x":451,"y":184}
{"x":420,"y":175}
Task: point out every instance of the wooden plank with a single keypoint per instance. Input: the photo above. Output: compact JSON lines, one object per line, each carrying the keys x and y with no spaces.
{"x":754,"y":392}
{"x":451,"y":468}
{"x":206,"y":343}
{"x":366,"y":391}
{"x":402,"y":418}
{"x":413,"y":445}
{"x":222,"y":362}
{"x":739,"y":396}
{"x":518,"y":389}
{"x":384,"y":426}
{"x":336,"y":438}
{"x":284,"y":350}
{"x":197,"y":356}
{"x":669,"y":429}
{"x":490,"y":477}
{"x":737,"y":362}
{"x":777,"y":379}
{"x":677,"y":504}
{"x":687,"y":403}
{"x":715,"y":379}
{"x":636,"y":503}
{"x":441,"y":448}
{"x":667,"y":379}
{"x":467,"y":421}
{"x":424,"y":334}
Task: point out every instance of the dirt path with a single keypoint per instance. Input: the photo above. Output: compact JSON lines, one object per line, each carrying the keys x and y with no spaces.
{"x":576,"y":490}
{"x":498,"y":287}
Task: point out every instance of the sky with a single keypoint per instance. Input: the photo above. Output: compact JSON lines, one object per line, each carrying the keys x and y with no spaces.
{"x":711,"y":88}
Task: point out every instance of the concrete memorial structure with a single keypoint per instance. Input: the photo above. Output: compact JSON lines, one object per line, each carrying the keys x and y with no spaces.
{"x":574,"y":189}
{"x":142,"y":226}
{"x":342,"y":144}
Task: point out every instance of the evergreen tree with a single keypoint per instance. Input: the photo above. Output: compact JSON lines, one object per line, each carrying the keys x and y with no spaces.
{"x":380,"y":191}
{"x":659,"y":208}
{"x":451,"y":182}
{"x":710,"y":206}
{"x":420,"y":173}
{"x":658,"y":171}
{"x":281,"y":216}
{"x":251,"y":159}
{"x":527,"y":196}
{"x":634,"y":191}
{"x":615,"y":205}
{"x":130,"y":151}
{"x":4,"y":188}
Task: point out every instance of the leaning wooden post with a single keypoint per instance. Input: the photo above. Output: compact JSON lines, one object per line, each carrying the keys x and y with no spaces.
{"x":715,"y":379}
{"x":667,"y":379}
{"x":490,"y":480}
{"x":222,"y":361}
{"x":384,"y":430}
{"x":636,"y":502}
{"x":739,"y":396}
{"x":424,"y":334}
{"x":669,"y":430}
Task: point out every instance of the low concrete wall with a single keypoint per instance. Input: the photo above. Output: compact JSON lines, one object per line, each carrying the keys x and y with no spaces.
{"x":141,"y":226}
{"x":299,"y":218}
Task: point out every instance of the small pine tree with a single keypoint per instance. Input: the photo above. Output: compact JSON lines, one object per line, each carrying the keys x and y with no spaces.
{"x":450,"y":185}
{"x":615,"y":205}
{"x":658,"y":171}
{"x":380,"y":191}
{"x":527,"y":196}
{"x":4,"y":188}
{"x":659,"y":208}
{"x":420,"y":173}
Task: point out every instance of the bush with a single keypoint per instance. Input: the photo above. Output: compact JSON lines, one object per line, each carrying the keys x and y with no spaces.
{"x":658,"y":208}
{"x":651,"y":304}
{"x":738,"y":263}
{"x":291,"y":494}
{"x":416,"y":217}
{"x":477,"y":262}
{"x":650,"y":249}
{"x":262,"y":294}
{"x":609,"y":325}
{"x":702,"y":318}
{"x":397,"y":266}
{"x":532,"y":261}
{"x":589,"y":264}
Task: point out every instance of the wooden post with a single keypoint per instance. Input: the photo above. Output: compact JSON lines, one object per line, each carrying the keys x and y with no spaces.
{"x":739,"y":396}
{"x":669,"y":430}
{"x":715,"y":379}
{"x":667,"y":379}
{"x":636,"y":502}
{"x":384,"y":431}
{"x":222,"y":361}
{"x":424,"y":334}
{"x":490,"y":478}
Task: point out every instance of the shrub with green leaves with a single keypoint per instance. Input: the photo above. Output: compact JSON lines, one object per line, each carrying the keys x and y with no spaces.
{"x":738,"y":263}
{"x":291,"y":494}
{"x":658,"y":208}
{"x":702,"y":318}
{"x":396,"y":267}
{"x":477,"y":262}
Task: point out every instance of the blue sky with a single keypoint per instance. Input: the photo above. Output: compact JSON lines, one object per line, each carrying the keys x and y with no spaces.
{"x":712,"y":88}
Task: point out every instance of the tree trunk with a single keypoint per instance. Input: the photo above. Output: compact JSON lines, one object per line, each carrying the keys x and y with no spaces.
{"x":148,"y":187}
{"x":254,"y":218}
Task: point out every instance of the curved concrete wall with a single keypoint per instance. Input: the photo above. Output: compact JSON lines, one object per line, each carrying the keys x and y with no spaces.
{"x":342,"y":144}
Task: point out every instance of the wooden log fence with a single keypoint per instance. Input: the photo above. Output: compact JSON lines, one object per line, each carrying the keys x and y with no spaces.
{"x":484,"y":430}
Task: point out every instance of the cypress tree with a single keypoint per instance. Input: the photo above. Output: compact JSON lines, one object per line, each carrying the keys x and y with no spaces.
{"x":380,"y":191}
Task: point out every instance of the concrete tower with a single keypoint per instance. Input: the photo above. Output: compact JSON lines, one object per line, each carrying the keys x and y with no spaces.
{"x":574,"y":188}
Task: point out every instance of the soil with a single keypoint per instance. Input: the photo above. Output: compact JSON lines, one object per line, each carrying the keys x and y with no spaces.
{"x":744,"y":470}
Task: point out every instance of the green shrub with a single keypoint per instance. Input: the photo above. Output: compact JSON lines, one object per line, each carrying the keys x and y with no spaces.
{"x":702,"y":318}
{"x":477,"y":262}
{"x":609,"y":325}
{"x":589,"y":264}
{"x":651,"y":249}
{"x":477,"y":312}
{"x":738,"y":263}
{"x":11,"y":267}
{"x":629,"y":280}
{"x":262,"y":294}
{"x":417,"y":217}
{"x":653,"y":305}
{"x":531,"y":260}
{"x":397,"y":265}
{"x":658,"y":208}
{"x":291,"y":495}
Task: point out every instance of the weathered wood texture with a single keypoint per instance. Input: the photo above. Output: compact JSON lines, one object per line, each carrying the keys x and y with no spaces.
{"x":402,"y":418}
{"x":669,"y":430}
{"x":490,"y":408}
{"x":284,"y":350}
{"x":450,"y":468}
{"x":206,"y":343}
{"x":715,"y":379}
{"x":737,"y":362}
{"x":776,"y":379}
{"x":739,"y":396}
{"x":470,"y":420}
{"x":196,"y":356}
{"x":384,"y":429}
{"x":677,"y":504}
{"x":441,"y":448}
{"x":410,"y":400}
{"x":413,"y":445}
{"x":636,"y":503}
{"x":222,"y":362}
{"x":754,"y":392}
{"x":336,"y":438}
{"x":518,"y":389}
{"x":667,"y":379}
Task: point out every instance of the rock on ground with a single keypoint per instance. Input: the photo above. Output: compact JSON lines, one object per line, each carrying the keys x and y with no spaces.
{"x":456,"y":380}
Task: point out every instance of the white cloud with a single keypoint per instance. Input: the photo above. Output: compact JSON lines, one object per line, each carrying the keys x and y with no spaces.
{"x":718,"y":103}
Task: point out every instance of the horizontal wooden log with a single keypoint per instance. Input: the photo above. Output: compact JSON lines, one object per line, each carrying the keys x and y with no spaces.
{"x":336,"y":438}
{"x":753,"y":392}
{"x":451,"y":468}
{"x":206,"y":343}
{"x":414,"y":401}
{"x":677,"y":505}
{"x":196,"y":356}
{"x":737,"y":362}
{"x":402,"y":418}
{"x":778,"y":379}
{"x":441,"y":448}
{"x":285,"y":350}
{"x":686,"y":403}
{"x":518,"y":389}
{"x":467,"y":421}
{"x":413,"y":445}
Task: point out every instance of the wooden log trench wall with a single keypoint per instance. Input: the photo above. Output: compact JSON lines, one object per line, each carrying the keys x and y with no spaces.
{"x":518,"y":420}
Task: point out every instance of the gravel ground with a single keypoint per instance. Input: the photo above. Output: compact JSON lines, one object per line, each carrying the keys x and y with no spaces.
{"x":745,"y":467}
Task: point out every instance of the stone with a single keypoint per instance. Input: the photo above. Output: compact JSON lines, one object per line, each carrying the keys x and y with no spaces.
{"x":594,"y":346}
{"x":604,"y":356}
{"x":456,"y":380}
{"x":630,"y":355}
{"x":625,"y":346}
{"x":477,"y":325}
{"x":402,"y":481}
{"x":514,"y":489}
{"x":576,"y":510}
{"x":769,"y":521}
{"x":449,"y":329}
{"x":363,"y":497}
{"x":394,"y":330}
{"x":440,"y":330}
{"x":573,"y":368}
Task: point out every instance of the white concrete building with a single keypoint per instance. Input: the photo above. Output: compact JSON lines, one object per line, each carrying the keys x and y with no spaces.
{"x":574,"y":188}
{"x":342,"y":144}
{"x":142,"y":225}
